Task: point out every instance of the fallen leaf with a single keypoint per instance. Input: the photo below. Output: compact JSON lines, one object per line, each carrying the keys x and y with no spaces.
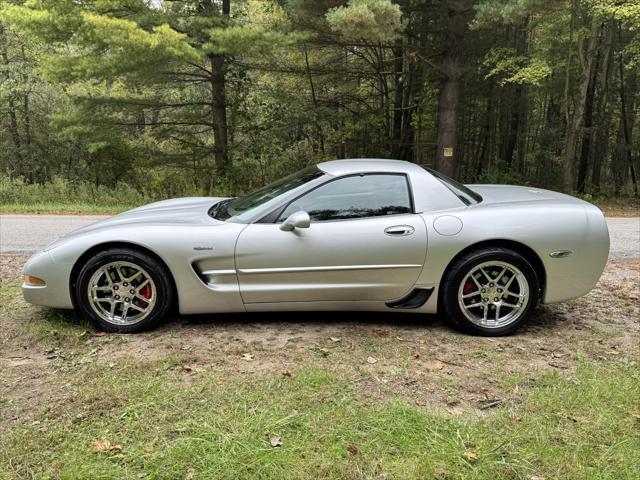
{"x":105,"y":446}
{"x":471,"y":456}
{"x":577,"y":418}
{"x":636,"y":416}
{"x":275,"y":442}
{"x":371,"y":360}
{"x":247,"y":356}
{"x":190,"y":473}
{"x":535,"y":477}
{"x":188,"y":368}
{"x":352,"y":449}
{"x":437,"y":365}
{"x":381,"y":332}
{"x":287,"y":373}
{"x":416,"y":355}
{"x":334,"y":339}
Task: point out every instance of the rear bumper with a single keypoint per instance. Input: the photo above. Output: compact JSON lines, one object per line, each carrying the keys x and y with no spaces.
{"x":576,"y":275}
{"x":56,"y":292}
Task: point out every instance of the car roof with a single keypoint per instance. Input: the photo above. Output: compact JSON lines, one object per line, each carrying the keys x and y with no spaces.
{"x":359,"y":165}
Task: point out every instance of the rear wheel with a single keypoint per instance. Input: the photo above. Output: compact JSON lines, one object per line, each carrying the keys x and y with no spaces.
{"x":490,"y":292}
{"x":124,"y":290}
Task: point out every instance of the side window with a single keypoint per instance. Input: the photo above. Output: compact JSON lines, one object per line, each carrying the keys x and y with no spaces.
{"x":356,"y":196}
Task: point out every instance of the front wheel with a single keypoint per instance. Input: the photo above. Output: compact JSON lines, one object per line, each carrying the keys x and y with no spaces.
{"x":490,"y":292}
{"x":124,"y":290}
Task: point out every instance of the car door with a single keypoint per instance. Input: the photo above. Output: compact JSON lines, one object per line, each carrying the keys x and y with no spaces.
{"x":364,"y":243}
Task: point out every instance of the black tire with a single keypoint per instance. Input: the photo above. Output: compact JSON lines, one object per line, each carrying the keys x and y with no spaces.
{"x":458,"y":271}
{"x":158,"y":273}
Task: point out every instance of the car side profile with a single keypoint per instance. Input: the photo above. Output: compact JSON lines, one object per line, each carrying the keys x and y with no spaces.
{"x":355,"y":235}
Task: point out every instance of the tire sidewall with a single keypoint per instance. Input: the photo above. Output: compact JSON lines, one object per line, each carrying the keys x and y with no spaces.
{"x":460,"y":270}
{"x":157,"y":272}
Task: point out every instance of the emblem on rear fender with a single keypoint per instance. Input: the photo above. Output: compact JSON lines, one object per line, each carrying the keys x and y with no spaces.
{"x":560,"y":254}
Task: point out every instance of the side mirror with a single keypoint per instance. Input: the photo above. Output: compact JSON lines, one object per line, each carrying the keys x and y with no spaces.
{"x":296,"y":220}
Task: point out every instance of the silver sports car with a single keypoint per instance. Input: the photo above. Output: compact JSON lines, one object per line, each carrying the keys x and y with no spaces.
{"x":376,"y":235}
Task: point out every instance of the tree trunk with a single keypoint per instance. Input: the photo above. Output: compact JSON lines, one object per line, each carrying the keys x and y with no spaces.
{"x":314,"y":99}
{"x":603,"y":112}
{"x":218,"y":100}
{"x":571,"y":140}
{"x":585,"y":150}
{"x":11,"y":107}
{"x":398,"y":105}
{"x":627,"y":129}
{"x":447,"y":145}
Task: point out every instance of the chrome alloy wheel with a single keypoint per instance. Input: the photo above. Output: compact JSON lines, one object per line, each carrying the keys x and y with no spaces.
{"x":493,"y":294}
{"x":121,"y":293}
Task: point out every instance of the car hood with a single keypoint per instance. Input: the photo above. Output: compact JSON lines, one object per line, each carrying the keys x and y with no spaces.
{"x":513,"y":193}
{"x":177,"y":211}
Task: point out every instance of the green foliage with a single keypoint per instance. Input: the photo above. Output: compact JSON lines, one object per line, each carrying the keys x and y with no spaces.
{"x":367,"y":20}
{"x":507,"y":67}
{"x":113,"y":91}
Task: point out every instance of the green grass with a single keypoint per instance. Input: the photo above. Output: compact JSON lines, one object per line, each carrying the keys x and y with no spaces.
{"x":63,"y":208}
{"x":215,"y":427}
{"x":216,"y":423}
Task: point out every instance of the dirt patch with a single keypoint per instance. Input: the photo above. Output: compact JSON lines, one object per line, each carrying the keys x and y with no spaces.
{"x":414,"y":357}
{"x":11,"y":268}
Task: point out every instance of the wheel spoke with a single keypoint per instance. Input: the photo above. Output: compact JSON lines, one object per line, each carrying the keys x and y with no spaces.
{"x":497,"y":312}
{"x":134,"y":276}
{"x":485,"y":275}
{"x":136,"y":307}
{"x":472,"y":294}
{"x":474,"y":305}
{"x":142,"y":285}
{"x":120,"y":274}
{"x":501,"y":274}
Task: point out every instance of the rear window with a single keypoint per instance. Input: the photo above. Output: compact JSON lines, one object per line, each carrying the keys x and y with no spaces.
{"x":463,"y":192}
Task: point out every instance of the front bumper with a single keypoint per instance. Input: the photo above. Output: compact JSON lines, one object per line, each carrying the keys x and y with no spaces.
{"x":56,"y":292}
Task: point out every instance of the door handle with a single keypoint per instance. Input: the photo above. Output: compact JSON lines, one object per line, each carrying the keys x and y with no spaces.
{"x":399,"y":230}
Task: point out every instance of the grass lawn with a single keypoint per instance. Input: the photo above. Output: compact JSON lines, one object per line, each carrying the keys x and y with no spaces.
{"x":76,"y":404}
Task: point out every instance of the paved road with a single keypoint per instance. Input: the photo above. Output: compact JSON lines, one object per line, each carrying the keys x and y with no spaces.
{"x":30,"y":233}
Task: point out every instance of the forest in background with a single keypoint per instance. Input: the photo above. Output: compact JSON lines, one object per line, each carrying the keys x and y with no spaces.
{"x":179,"y":97}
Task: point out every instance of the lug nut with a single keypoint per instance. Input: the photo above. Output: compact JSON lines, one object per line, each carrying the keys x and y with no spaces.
{"x":132,"y":291}
{"x":126,"y":299}
{"x":115,"y":287}
{"x":499,"y":290}
{"x":491,"y":284}
{"x":117,"y":297}
{"x":125,"y":284}
{"x":495,"y":299}
{"x":483,"y":290}
{"x":485,"y":299}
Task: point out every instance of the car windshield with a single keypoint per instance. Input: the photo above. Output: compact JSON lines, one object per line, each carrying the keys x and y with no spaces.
{"x":463,"y":192}
{"x":237,"y":207}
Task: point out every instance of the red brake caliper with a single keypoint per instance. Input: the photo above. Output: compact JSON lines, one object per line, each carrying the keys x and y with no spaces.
{"x":468,"y":287}
{"x":146,"y":291}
